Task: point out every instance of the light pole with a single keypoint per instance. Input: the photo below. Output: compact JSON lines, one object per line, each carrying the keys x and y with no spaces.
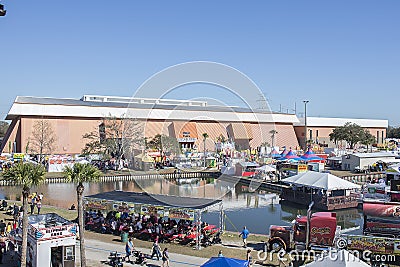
{"x":305,"y":124}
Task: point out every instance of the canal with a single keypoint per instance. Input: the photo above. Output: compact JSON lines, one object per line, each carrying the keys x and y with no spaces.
{"x":243,"y":206}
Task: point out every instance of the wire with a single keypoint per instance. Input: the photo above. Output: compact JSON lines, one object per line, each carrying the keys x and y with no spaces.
{"x":226,"y":217}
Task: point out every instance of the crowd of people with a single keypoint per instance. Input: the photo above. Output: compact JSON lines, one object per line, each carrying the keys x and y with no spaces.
{"x":150,"y":227}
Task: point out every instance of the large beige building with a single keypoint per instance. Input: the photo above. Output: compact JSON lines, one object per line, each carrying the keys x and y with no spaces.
{"x":319,"y":128}
{"x":184,"y":120}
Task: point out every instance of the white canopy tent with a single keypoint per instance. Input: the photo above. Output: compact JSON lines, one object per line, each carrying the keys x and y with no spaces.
{"x":266,"y":168}
{"x":338,"y":258}
{"x":325,"y":181}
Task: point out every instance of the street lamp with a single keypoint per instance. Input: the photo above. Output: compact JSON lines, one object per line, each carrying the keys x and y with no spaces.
{"x":2,"y":10}
{"x":305,"y":124}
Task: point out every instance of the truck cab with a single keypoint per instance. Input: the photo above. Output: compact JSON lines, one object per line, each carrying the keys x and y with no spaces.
{"x":316,"y":230}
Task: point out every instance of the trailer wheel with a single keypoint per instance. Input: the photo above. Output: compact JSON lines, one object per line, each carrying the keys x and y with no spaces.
{"x":276,"y":246}
{"x":341,"y":243}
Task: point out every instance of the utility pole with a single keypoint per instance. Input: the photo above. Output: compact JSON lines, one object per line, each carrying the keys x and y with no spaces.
{"x":305,"y":124}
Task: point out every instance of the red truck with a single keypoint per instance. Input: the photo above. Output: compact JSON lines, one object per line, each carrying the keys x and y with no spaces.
{"x":320,"y":231}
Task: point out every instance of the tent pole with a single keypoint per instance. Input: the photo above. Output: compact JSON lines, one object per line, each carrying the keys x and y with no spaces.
{"x":221,"y":218}
{"x":198,"y":230}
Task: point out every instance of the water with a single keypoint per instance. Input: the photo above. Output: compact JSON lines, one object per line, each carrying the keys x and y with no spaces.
{"x":257,"y":210}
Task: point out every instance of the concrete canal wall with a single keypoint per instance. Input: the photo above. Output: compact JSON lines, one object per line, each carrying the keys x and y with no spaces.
{"x":112,"y":178}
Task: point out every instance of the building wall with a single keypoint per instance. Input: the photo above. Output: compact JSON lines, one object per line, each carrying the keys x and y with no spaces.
{"x":321,"y":134}
{"x":68,"y":133}
{"x":350,"y":162}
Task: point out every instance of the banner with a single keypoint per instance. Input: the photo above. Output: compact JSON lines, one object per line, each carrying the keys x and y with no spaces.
{"x":96,"y":204}
{"x":153,"y":210}
{"x":374,"y":244}
{"x":381,"y":210}
{"x":184,"y":214}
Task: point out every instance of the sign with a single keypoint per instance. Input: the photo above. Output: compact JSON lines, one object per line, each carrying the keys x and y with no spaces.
{"x":95,"y":204}
{"x":42,"y":234}
{"x":187,"y":140}
{"x":18,"y":156}
{"x":302,"y":168}
{"x":374,"y":244}
{"x":185,"y":214}
{"x":153,"y":210}
{"x":381,"y":210}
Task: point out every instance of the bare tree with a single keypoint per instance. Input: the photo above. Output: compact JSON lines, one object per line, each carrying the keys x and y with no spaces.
{"x":115,"y":138}
{"x":42,"y":139}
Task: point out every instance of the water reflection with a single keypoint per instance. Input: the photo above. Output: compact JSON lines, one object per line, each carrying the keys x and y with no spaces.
{"x":256,"y":210}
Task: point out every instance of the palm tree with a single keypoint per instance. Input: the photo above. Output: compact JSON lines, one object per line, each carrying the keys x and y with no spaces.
{"x":273,"y":132}
{"x":205,"y":136}
{"x":80,"y":174}
{"x":27,"y":175}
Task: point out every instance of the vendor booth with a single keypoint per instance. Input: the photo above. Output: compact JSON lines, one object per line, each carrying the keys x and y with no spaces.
{"x":51,"y":241}
{"x":166,"y":206}
{"x":328,"y":191}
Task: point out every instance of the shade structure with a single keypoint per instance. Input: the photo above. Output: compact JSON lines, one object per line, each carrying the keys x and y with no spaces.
{"x":225,"y":262}
{"x":284,"y":152}
{"x":266,"y":168}
{"x":290,"y":156}
{"x":320,"y":180}
{"x":337,"y":259}
{"x":310,"y":155}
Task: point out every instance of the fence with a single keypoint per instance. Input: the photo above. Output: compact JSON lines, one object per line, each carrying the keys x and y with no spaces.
{"x":363,"y":178}
{"x":114,"y":178}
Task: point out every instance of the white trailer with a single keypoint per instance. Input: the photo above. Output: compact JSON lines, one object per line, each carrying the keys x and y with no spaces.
{"x":51,"y":241}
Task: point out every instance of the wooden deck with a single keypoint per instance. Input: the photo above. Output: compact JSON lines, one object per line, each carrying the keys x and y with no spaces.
{"x":320,"y":202}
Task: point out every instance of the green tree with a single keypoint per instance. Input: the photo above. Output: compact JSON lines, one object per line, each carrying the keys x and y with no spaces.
{"x":393,"y":132}
{"x":164,"y":143}
{"x":351,"y":133}
{"x":3,"y":128}
{"x":273,"y":132}
{"x":27,"y":175}
{"x":79,"y":174}
{"x":367,"y":139}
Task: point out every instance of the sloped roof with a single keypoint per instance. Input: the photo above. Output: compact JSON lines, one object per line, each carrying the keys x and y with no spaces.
{"x":320,"y":180}
{"x":157,"y":200}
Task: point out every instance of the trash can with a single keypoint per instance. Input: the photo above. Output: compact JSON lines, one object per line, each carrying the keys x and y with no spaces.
{"x":124,"y":237}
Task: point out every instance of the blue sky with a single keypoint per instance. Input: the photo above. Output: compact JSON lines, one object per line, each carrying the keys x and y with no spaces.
{"x":343,"y":56}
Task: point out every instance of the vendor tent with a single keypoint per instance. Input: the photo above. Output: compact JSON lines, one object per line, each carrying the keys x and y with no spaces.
{"x":225,"y":262}
{"x":275,"y":154}
{"x":310,"y":156}
{"x":266,"y":168}
{"x":171,"y":203}
{"x":320,"y":180}
{"x":290,"y":156}
{"x":338,"y":258}
{"x":284,"y":152}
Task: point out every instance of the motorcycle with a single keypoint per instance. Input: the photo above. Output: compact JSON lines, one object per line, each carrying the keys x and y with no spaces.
{"x":115,"y":259}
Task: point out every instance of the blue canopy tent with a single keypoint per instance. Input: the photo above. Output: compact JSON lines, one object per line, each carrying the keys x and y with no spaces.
{"x":310,"y":156}
{"x":225,"y":262}
{"x":275,"y":154}
{"x":290,"y":156}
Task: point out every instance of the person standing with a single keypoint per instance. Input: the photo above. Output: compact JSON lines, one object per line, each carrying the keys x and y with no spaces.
{"x":244,"y":234}
{"x":220,"y":255}
{"x":128,"y":249}
{"x":156,"y":250}
{"x":249,"y":257}
{"x":165,"y":258}
{"x":38,"y":206}
{"x":33,"y":203}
